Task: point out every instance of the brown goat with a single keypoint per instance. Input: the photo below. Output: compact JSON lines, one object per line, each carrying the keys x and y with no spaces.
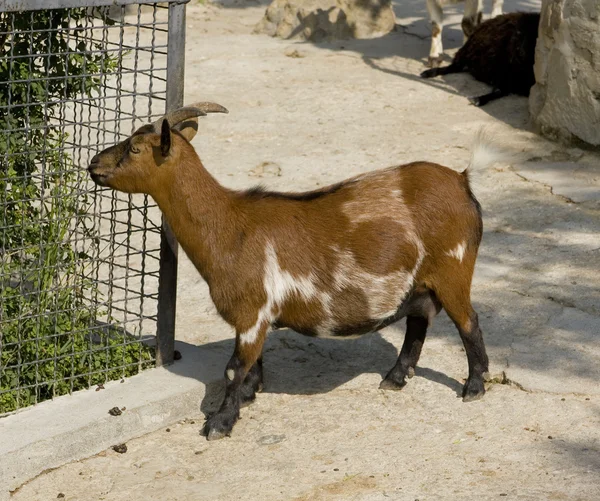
{"x":343,"y":260}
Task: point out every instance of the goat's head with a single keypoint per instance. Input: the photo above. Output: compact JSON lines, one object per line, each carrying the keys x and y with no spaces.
{"x":137,"y":164}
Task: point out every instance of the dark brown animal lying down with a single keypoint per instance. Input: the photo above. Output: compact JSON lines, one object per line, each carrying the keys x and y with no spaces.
{"x":344,"y":260}
{"x":500,"y":53}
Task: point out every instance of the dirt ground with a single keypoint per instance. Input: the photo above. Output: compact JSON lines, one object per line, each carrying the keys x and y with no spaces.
{"x":305,"y":115}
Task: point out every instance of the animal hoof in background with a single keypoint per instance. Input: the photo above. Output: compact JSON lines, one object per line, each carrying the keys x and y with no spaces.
{"x":390,"y":384}
{"x":475,"y":101}
{"x":217,"y":427}
{"x":473,"y":390}
{"x":429,"y":73}
{"x":434,"y":62}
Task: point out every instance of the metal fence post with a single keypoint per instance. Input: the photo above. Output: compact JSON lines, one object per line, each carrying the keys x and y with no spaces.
{"x":167,"y":282}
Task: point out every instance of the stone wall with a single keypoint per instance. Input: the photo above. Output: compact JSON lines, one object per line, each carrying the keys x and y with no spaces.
{"x":565,"y":102}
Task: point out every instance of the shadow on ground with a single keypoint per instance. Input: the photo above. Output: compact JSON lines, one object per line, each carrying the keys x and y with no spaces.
{"x":532,"y":292}
{"x":299,"y":365}
{"x":410,"y":41}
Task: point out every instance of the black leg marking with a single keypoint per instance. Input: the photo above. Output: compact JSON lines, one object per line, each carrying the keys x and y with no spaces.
{"x":416,"y":330}
{"x":252,"y":383}
{"x":477,"y":358}
{"x":445,"y":70}
{"x":486,"y":98}
{"x":221,"y":423}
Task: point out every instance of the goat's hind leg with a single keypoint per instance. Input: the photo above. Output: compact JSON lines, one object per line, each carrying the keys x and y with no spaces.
{"x":472,"y":339}
{"x":416,"y":330}
{"x":421,"y":309}
{"x":455,"y":299}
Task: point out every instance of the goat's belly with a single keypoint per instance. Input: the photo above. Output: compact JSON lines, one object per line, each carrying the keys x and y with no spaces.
{"x":340,"y":330}
{"x":342,"y":317}
{"x":354,"y":330}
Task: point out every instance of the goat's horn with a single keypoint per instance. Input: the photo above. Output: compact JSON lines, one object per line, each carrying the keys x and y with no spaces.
{"x":209,"y":107}
{"x":187,"y":112}
{"x":178,"y":116}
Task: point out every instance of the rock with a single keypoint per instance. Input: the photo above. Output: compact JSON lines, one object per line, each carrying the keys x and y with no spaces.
{"x":565,"y":102}
{"x":270,"y":439}
{"x":317,"y":20}
{"x":121,"y":448}
{"x":295,"y":53}
{"x":115,"y":411}
{"x":266,"y":169}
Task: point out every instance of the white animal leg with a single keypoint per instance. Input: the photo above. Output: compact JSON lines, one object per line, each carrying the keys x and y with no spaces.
{"x":497,"y":7}
{"x":472,"y":16}
{"x":437,"y":19}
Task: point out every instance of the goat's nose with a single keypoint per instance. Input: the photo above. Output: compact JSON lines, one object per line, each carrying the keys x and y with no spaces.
{"x":94,"y":162}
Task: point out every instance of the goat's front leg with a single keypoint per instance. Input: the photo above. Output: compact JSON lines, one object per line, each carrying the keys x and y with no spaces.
{"x":472,"y":17}
{"x":437,"y":18}
{"x":252,"y":383}
{"x":243,"y":377}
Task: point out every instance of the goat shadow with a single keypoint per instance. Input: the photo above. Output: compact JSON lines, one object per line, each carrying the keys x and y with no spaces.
{"x":299,"y":365}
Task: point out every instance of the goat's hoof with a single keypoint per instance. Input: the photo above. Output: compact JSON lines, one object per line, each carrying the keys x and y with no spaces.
{"x":217,"y":427}
{"x":390,"y":384}
{"x":434,"y":62}
{"x":473,"y":390}
{"x":411,"y":372}
{"x":214,"y":434}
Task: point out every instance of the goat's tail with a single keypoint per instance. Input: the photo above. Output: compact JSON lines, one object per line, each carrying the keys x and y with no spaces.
{"x":487,"y":150}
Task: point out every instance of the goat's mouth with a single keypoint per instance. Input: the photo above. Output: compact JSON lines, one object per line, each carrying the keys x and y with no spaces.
{"x":98,"y":178}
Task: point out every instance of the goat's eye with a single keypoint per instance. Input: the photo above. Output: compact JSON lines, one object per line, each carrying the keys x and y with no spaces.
{"x":133,"y":149}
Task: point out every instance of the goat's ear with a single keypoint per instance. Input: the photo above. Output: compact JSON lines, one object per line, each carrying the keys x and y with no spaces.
{"x":188,"y":128}
{"x":165,"y":138}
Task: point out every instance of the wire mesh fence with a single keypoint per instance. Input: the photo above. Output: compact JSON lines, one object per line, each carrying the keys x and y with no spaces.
{"x":79,"y":265}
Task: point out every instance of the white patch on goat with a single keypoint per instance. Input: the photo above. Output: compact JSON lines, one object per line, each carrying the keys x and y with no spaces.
{"x":251,"y":334}
{"x":377,"y":200}
{"x":230,"y":374}
{"x":459,"y":252}
{"x":278,"y":285}
{"x":384,"y":294}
